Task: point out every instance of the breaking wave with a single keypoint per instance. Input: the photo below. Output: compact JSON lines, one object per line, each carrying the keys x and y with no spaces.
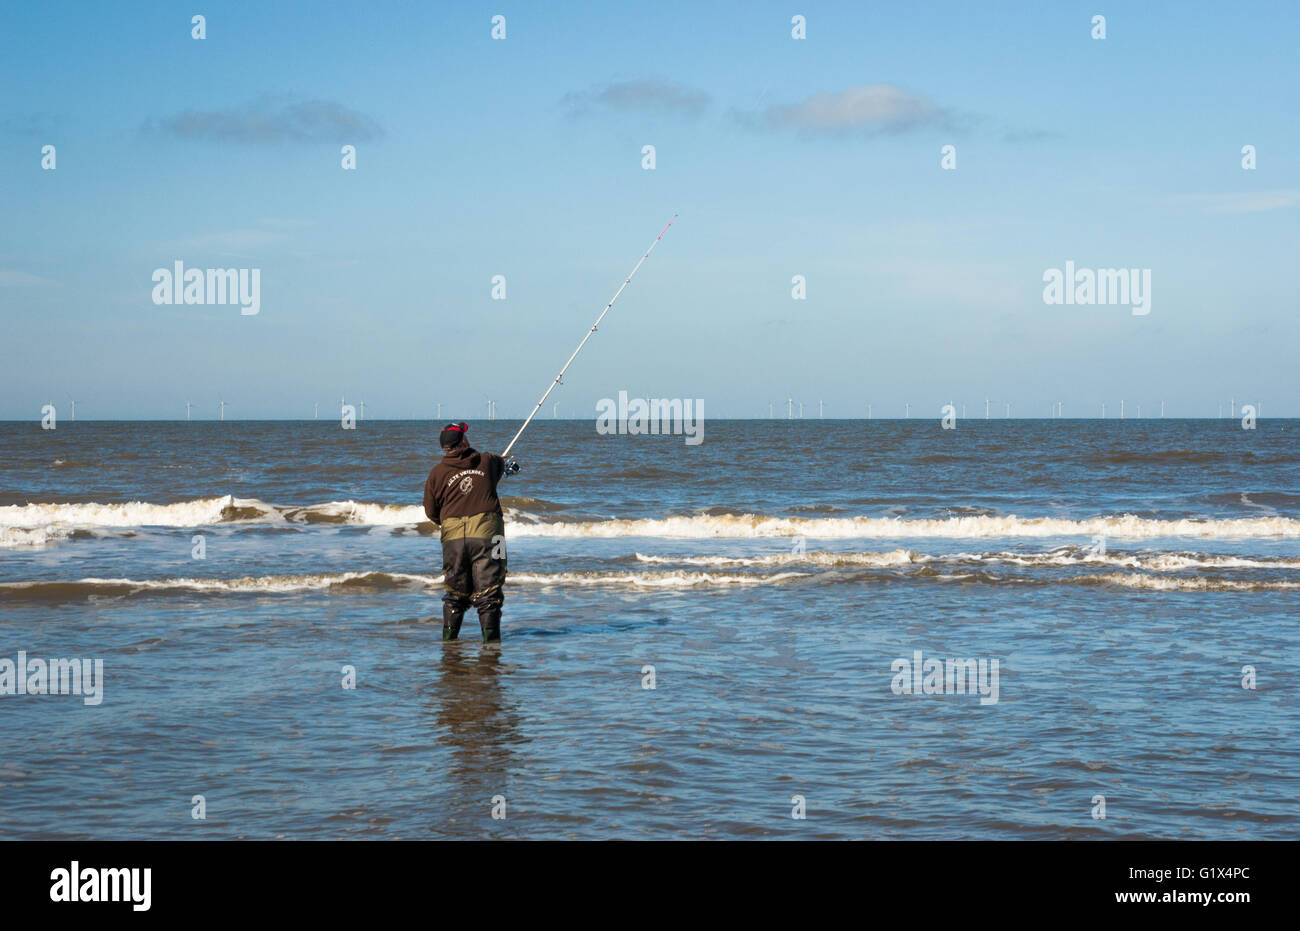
{"x":1183,"y":583}
{"x":196,"y":513}
{"x":751,"y":525}
{"x":370,"y":582}
{"x":31,"y":525}
{"x":363,"y":582}
{"x":1066,"y":556}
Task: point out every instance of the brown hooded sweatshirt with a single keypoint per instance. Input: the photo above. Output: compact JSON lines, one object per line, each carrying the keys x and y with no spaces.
{"x":461,"y":493}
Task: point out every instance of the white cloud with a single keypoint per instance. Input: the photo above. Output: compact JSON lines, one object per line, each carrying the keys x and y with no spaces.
{"x":638,"y":95}
{"x":271,"y":119}
{"x":1243,"y":202}
{"x":11,"y":278}
{"x":867,"y":108}
{"x":239,"y":240}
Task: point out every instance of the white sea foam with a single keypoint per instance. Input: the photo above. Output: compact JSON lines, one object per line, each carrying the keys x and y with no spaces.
{"x":195,"y":513}
{"x":35,"y":538}
{"x":266,"y":583}
{"x":285,"y":584}
{"x":227,"y":509}
{"x":680,"y":579}
{"x":356,"y":512}
{"x":371,"y":581}
{"x":821,"y":559}
{"x":1123,"y":526}
{"x":1153,"y":562}
{"x":1182,"y":583}
{"x":1156,"y":562}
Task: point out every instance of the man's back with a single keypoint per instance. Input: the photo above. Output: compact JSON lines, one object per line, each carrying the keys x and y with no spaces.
{"x":463,"y":484}
{"x":460,"y":495}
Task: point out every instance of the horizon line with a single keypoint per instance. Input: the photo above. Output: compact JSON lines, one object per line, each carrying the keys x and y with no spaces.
{"x":331,"y":420}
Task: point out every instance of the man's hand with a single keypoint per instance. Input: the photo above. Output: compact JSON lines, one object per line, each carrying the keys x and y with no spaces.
{"x":512,"y":466}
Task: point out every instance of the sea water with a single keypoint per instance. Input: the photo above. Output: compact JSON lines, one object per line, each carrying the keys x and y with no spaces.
{"x":763,"y":635}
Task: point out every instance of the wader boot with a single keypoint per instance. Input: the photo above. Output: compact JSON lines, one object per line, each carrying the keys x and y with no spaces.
{"x":451,"y":618}
{"x":489,"y":620}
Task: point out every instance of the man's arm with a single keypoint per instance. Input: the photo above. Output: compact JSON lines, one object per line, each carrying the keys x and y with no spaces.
{"x":496,"y":468}
{"x":430,"y":504}
{"x":503,"y":467}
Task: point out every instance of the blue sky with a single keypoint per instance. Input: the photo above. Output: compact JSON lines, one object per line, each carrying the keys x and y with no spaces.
{"x":522,"y":158}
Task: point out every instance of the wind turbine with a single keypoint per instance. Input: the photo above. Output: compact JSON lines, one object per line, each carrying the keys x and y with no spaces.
{"x":789,"y":408}
{"x":315,"y":409}
{"x":223,"y":411}
{"x":187,"y":411}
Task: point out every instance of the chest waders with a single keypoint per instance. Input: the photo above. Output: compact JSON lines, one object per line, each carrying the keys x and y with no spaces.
{"x":474,"y":568}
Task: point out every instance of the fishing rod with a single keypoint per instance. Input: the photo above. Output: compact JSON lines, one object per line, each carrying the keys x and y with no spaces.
{"x":551,"y":386}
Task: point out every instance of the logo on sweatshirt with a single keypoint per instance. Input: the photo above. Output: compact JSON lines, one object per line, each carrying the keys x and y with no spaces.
{"x":466,"y":484}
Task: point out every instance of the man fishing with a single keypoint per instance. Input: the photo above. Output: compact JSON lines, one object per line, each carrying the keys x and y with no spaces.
{"x":460,"y":495}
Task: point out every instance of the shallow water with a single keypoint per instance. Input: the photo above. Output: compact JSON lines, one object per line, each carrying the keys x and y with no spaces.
{"x":1121,"y":574}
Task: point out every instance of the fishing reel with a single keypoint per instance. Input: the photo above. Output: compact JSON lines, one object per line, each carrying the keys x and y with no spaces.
{"x":512,"y":466}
